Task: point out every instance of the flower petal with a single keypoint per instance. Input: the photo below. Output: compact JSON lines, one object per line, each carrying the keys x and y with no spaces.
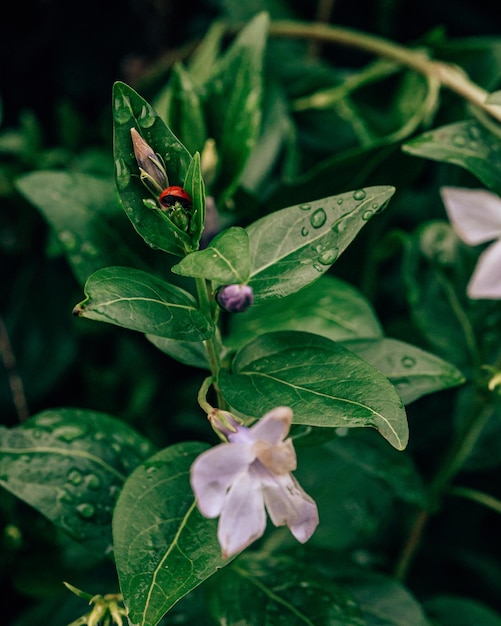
{"x":273,"y":426}
{"x":287,"y":503}
{"x":243,"y":519}
{"x":475,"y":214}
{"x":486,"y":280}
{"x":214,"y":471}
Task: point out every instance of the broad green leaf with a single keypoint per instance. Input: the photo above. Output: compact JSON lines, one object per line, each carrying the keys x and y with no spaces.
{"x":225,"y":261}
{"x":328,"y":307}
{"x":293,"y":247}
{"x":467,"y":144}
{"x":232,"y":104}
{"x":413,"y":371}
{"x":70,"y":465}
{"x":446,"y":610}
{"x":140,"y":301}
{"x":84,"y":213}
{"x":163,"y":547}
{"x":280,"y":592}
{"x":188,"y":352}
{"x":324,"y":383}
{"x":130,"y":110}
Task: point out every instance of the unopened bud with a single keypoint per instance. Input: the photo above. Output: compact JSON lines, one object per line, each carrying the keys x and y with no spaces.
{"x":224,"y":423}
{"x":151,"y":168}
{"x":235,"y":298}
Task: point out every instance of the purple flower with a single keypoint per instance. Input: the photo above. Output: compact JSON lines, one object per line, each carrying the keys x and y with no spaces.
{"x":475,"y":215}
{"x":240,"y":480}
{"x":151,"y":167}
{"x":235,"y":298}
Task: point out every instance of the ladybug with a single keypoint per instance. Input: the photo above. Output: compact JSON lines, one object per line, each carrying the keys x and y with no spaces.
{"x":174,"y":194}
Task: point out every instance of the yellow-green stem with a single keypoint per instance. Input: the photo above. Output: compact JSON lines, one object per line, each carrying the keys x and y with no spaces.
{"x":445,"y":74}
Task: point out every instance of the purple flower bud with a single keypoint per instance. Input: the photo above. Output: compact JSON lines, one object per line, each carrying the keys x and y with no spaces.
{"x":153,"y":174}
{"x":235,"y":298}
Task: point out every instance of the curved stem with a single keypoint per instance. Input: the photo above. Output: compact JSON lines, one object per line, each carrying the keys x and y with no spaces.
{"x":202,"y":395}
{"x":447,"y":75}
{"x":453,"y":461}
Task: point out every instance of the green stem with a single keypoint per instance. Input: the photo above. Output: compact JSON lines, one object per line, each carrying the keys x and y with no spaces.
{"x":453,"y":461}
{"x":202,"y":395}
{"x":212,"y":344}
{"x":477,"y":496}
{"x":445,"y":74}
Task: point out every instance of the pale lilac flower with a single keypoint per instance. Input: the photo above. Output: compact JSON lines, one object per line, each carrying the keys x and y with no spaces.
{"x":235,"y":298}
{"x":475,"y":215}
{"x":237,"y":480}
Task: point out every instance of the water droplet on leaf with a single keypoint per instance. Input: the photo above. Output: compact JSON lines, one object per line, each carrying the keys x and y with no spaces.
{"x":359,"y":194}
{"x":305,"y":207}
{"x":408,"y":361}
{"x":304,"y":231}
{"x":122,"y":110}
{"x":75,"y":477}
{"x":122,"y":174}
{"x":318,"y":218}
{"x":328,"y":257}
{"x":86,"y":510}
{"x":147,"y":117}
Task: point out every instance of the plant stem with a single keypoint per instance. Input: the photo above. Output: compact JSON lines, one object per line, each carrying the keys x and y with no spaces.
{"x":447,"y":75}
{"x":453,"y":461}
{"x":211,"y":345}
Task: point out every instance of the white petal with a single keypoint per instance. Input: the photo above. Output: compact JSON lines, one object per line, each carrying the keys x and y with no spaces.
{"x":243,"y":519}
{"x":486,"y":280}
{"x":273,"y":426}
{"x":475,"y":214}
{"x":287,"y":503}
{"x":214,"y":471}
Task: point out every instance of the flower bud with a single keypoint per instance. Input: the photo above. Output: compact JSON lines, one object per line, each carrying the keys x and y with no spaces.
{"x":235,"y":298}
{"x":151,"y":168}
{"x":224,"y":423}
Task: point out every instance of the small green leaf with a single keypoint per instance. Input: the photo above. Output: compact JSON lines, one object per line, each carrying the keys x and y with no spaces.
{"x":324,"y":383}
{"x":413,"y":371}
{"x":133,"y":111}
{"x":232,"y":103}
{"x":293,"y":247}
{"x":195,"y":187}
{"x":163,"y":547}
{"x":70,"y":464}
{"x":225,"y":261}
{"x":328,"y":307}
{"x":467,"y":144}
{"x":140,"y":301}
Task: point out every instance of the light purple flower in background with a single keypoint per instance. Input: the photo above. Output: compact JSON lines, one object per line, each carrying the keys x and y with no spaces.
{"x":235,"y":298}
{"x":475,"y":215}
{"x":238,"y":480}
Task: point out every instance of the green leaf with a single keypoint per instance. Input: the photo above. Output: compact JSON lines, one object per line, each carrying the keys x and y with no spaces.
{"x":195,"y":187}
{"x":293,"y":247}
{"x":467,"y":144}
{"x":132,"y":111}
{"x":83,"y":212}
{"x":140,"y":301}
{"x":184,"y":112}
{"x":163,"y":547}
{"x":188,"y":352}
{"x":232,"y":104}
{"x":328,"y":307}
{"x":324,"y":383}
{"x":70,"y":464}
{"x":413,"y":371}
{"x":279,"y":592}
{"x":450,"y":609}
{"x":225,"y":261}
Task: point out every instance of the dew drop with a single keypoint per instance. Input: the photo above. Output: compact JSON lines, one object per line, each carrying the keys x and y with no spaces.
{"x":340,"y":201}
{"x":328,"y":257}
{"x":305,"y":207}
{"x":318,"y":218}
{"x":339,"y":227}
{"x":70,"y":433}
{"x":122,"y":109}
{"x":93,"y":481}
{"x":459,"y":141}
{"x":68,"y":239}
{"x":75,"y":477}
{"x":408,"y":361}
{"x":366,"y":216}
{"x":304,"y":231}
{"x":318,"y":267}
{"x":86,"y":510}
{"x":359,"y":194}
{"x":122,"y":173}
{"x":147,"y":117}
